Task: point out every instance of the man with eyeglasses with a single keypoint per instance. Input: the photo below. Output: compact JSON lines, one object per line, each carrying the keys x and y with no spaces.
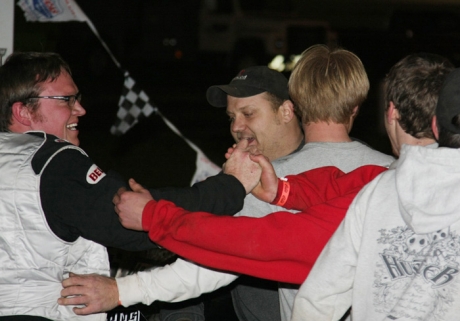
{"x":56,"y":211}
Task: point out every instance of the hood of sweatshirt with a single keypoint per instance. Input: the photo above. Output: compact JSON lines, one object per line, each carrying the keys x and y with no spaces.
{"x":428,"y":187}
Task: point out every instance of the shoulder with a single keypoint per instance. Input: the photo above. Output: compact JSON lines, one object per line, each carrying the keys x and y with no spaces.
{"x":375,"y":156}
{"x":379,"y":190}
{"x":51,"y":146}
{"x":62,"y":157}
{"x":58,"y":160}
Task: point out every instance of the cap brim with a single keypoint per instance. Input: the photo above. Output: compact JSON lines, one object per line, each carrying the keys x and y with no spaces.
{"x":217,"y":95}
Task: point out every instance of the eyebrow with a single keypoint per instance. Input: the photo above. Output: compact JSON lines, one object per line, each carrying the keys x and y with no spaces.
{"x":242,"y":108}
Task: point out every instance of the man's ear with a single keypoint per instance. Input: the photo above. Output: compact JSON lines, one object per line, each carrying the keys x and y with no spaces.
{"x":21,"y":114}
{"x":286,"y":111}
{"x":355,"y":112}
{"x":391,"y":113}
{"x":434,"y":127}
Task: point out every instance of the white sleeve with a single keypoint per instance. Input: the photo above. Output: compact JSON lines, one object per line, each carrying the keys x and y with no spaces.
{"x":175,"y":282}
{"x":326,"y":294}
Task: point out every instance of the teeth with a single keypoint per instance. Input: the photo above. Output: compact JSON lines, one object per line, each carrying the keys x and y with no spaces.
{"x":72,"y":126}
{"x":249,"y":139}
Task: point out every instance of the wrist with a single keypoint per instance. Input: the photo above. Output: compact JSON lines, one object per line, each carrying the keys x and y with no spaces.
{"x":129,"y":292}
{"x":147,"y":213}
{"x":282,"y":193}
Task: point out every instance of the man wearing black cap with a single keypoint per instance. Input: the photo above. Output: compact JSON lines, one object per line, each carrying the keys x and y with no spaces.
{"x":260,"y":111}
{"x":258,"y":104}
{"x":400,"y":239}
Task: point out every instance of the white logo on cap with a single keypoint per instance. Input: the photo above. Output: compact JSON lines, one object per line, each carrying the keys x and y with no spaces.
{"x":95,"y":174}
{"x":240,"y":77}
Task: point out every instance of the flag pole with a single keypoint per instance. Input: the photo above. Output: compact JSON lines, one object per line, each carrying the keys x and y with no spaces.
{"x":93,"y":28}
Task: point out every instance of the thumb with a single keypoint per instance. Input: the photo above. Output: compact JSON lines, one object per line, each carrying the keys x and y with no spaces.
{"x":242,"y":144}
{"x":135,"y":186}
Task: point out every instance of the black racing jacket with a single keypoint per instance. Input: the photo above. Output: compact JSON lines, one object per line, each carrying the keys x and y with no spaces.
{"x":74,"y":207}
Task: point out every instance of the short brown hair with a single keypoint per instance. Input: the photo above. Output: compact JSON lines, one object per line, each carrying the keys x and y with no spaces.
{"x":327,"y":84}
{"x":413,"y":85}
{"x":22,"y":76}
{"x":274,"y":100}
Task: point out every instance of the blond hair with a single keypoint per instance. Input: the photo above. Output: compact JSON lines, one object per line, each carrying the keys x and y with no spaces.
{"x":327,"y":84}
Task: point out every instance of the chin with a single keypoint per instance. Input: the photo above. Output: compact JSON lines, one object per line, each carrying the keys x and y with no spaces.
{"x":74,"y":141}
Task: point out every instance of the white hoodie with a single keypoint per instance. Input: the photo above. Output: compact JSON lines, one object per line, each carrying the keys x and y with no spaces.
{"x":396,"y":255}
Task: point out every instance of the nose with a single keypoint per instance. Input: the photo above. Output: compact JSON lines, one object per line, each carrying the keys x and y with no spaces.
{"x":238,"y":124}
{"x":78,"y":109}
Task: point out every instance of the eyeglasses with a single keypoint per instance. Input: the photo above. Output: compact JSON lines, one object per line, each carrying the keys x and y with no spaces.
{"x":69,"y":99}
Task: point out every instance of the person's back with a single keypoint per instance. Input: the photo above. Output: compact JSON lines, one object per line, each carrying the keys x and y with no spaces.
{"x":406,"y":226}
{"x":345,"y":156}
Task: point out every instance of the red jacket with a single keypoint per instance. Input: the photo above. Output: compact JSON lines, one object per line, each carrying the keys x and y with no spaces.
{"x":281,"y":246}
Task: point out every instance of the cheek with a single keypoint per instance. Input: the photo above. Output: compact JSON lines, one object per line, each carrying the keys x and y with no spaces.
{"x":59,"y":123}
{"x":264,"y":127}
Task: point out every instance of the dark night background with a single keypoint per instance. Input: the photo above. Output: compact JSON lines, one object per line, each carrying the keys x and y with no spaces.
{"x":379,"y":32}
{"x":150,"y":151}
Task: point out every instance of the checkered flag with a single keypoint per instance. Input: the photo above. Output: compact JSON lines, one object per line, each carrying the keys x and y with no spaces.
{"x":133,"y":106}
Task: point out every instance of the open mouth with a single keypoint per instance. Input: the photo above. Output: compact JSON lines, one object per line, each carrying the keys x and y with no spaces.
{"x":72,"y":126}
{"x":250,"y":139}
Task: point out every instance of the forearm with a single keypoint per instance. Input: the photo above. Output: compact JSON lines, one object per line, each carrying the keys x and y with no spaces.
{"x":172,"y":283}
{"x":281,"y":246}
{"x":221,"y":194}
{"x":320,"y":185}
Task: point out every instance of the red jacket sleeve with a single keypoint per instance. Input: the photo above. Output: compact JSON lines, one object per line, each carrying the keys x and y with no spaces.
{"x":281,"y":246}
{"x":319,"y":185}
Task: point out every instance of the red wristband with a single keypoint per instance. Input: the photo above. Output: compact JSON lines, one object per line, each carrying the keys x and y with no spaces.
{"x":283,"y":192}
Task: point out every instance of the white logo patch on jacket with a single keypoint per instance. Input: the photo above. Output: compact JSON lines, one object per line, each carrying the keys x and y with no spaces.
{"x":95,"y":174}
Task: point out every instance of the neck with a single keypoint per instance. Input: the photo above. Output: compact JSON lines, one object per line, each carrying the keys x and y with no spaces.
{"x":410,"y":140}
{"x":18,"y":128}
{"x":326,"y":132}
{"x":404,"y":138}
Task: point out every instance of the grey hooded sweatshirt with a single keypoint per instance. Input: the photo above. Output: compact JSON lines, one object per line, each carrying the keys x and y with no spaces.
{"x":396,"y":255}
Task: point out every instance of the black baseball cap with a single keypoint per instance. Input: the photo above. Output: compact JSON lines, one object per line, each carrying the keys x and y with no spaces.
{"x":250,"y":82}
{"x":449,"y":101}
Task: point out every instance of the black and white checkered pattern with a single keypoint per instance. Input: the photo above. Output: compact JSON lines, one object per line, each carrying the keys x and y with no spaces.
{"x":133,"y":106}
